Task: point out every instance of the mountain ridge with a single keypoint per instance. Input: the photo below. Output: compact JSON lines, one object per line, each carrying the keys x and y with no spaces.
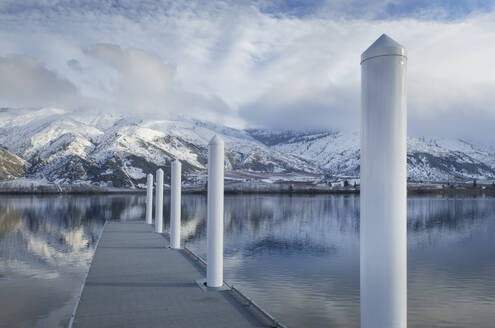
{"x":60,"y":146}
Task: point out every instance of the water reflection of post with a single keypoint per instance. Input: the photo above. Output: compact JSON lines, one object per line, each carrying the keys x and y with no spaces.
{"x":149,"y":198}
{"x":159,"y":201}
{"x":175,"y":202}
{"x":214,"y":269}
{"x":383,"y":185}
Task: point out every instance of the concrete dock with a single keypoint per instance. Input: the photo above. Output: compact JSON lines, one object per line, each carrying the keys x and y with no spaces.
{"x":135,"y":280}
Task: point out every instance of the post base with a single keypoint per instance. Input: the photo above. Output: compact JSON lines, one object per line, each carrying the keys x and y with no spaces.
{"x":202,"y":284}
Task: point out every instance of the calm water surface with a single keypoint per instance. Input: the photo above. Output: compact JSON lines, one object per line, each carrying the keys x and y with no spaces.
{"x":298,"y":256}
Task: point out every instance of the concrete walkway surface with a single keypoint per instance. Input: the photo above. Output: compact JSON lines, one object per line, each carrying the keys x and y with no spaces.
{"x":135,"y":280}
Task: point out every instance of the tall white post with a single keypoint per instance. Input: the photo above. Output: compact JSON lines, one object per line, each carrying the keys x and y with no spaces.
{"x":383,"y":227}
{"x":214,"y":268}
{"x":175,"y":198}
{"x":159,"y":201}
{"x":149,"y":198}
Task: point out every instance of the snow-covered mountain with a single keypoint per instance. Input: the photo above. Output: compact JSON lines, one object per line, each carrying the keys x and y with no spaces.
{"x":428,"y":160}
{"x":115,"y":150}
{"x":61,"y":146}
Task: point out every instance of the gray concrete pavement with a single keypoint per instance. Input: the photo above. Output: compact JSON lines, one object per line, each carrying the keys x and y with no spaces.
{"x":135,"y":280}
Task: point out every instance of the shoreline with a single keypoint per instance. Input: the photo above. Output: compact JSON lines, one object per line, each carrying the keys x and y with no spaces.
{"x":239,"y":189}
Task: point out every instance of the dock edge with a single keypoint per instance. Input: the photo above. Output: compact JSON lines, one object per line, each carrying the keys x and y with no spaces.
{"x":275,"y":322}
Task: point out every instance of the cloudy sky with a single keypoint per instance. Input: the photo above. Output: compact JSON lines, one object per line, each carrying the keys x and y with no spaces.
{"x":277,"y":64}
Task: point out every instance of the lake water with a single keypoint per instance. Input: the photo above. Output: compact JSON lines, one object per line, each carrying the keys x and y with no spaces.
{"x":296,"y":256}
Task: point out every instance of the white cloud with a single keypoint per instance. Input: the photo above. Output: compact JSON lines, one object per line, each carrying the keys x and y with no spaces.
{"x":145,"y":80}
{"x":26,"y":82}
{"x":215,"y":59}
{"x":146,"y":84}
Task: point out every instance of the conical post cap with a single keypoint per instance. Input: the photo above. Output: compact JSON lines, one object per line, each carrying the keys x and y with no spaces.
{"x":216,"y":140}
{"x":384,"y":46}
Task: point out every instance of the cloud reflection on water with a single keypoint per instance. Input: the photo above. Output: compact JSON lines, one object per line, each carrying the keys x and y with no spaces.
{"x":299,"y":257}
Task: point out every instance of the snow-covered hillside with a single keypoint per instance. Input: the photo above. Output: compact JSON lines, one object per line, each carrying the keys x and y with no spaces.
{"x":428,"y":160}
{"x":66,"y":147}
{"x":59,"y":146}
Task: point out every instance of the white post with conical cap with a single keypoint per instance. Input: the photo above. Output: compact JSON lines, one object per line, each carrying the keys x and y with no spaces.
{"x":159,"y":201}
{"x":383,"y":228}
{"x":149,"y":198}
{"x":214,"y":267}
{"x":175,"y":200}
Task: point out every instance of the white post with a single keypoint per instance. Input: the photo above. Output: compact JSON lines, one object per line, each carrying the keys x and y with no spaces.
{"x":383,"y":227}
{"x":214,"y":268}
{"x":175,"y":190}
{"x":149,"y":198}
{"x":159,"y":201}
